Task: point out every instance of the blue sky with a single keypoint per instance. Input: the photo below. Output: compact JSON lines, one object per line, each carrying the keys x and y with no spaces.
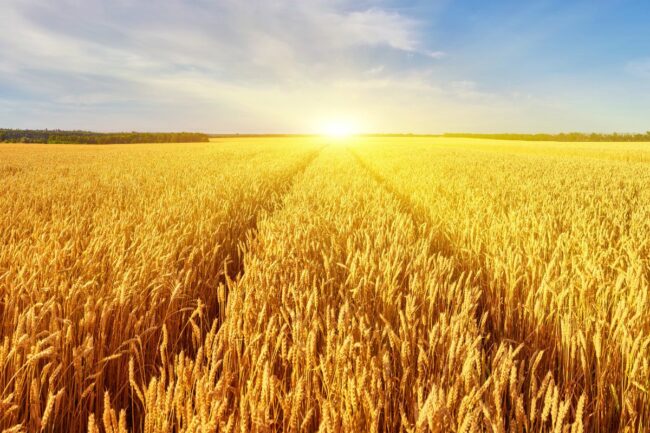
{"x":294,"y":65}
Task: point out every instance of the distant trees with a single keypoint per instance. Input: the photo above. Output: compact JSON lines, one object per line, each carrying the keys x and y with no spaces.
{"x":568,"y":137}
{"x":87,"y":137}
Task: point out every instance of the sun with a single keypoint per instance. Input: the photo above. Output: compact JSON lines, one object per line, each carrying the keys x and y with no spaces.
{"x":339,"y":129}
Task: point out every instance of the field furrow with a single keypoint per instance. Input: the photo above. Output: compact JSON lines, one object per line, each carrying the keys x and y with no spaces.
{"x":561,"y":245}
{"x":106,"y":246}
{"x":303,"y":284}
{"x":347,"y":319}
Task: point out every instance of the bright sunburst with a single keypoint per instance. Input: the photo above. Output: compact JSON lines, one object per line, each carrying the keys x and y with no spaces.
{"x":339,"y":129}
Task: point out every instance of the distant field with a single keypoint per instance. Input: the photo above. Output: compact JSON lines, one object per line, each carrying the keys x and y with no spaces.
{"x":309,"y":284}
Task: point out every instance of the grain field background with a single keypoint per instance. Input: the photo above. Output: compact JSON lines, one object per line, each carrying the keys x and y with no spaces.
{"x":316,"y":284}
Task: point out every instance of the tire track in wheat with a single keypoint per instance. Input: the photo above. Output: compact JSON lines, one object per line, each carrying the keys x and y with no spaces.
{"x":442,"y":245}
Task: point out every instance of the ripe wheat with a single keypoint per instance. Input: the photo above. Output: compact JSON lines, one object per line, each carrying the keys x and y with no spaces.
{"x":393,"y":285}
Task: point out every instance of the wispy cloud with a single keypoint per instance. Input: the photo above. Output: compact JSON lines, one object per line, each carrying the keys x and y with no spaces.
{"x":98,"y":52}
{"x":224,"y":65}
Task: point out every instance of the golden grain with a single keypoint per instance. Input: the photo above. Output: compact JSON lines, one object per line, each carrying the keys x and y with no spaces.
{"x":391,"y":285}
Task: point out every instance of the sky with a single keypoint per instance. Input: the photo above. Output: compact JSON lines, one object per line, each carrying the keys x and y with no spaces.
{"x":296,"y":66}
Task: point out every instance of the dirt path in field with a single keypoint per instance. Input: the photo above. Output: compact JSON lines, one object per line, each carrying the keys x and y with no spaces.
{"x":494,"y":335}
{"x":219,"y":288}
{"x":236,"y":268}
{"x":440,"y":244}
{"x":343,"y":241}
{"x":417,"y":214}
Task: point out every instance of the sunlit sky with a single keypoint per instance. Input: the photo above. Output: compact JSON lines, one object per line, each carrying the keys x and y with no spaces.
{"x":277,"y":66}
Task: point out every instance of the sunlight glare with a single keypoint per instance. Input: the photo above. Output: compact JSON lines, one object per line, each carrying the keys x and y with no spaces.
{"x":339,"y":129}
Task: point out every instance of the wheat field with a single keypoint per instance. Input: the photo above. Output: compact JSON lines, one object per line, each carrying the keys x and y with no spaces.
{"x":337,"y":285}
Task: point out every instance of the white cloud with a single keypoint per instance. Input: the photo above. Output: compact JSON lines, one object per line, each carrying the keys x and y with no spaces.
{"x":229,"y":54}
{"x":231,"y":40}
{"x":375,"y":26}
{"x":436,"y":54}
{"x":265,"y":66}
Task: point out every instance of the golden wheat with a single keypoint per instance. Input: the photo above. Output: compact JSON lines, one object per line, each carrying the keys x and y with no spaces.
{"x":263,"y":285}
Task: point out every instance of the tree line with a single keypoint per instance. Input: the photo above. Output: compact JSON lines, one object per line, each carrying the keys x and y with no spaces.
{"x":57,"y":136}
{"x":568,"y":137}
